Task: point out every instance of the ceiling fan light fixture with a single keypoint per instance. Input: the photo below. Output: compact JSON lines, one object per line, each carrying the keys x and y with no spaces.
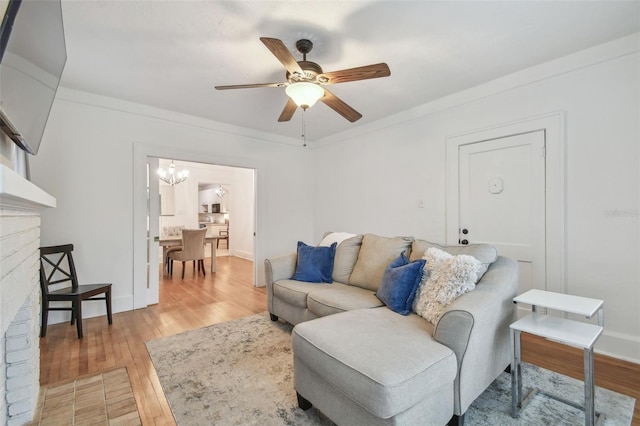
{"x":304,"y":94}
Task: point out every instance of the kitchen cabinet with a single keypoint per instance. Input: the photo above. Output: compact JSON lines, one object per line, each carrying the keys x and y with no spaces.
{"x":208,"y":196}
{"x":167,"y":201}
{"x":205,"y":198}
{"x":213,"y":229}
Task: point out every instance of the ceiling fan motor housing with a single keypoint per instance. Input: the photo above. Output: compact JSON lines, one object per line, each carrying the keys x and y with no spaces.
{"x":311,"y":71}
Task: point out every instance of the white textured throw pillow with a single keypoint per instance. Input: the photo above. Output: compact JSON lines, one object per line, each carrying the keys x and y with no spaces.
{"x":335,"y":237}
{"x":445,"y":278}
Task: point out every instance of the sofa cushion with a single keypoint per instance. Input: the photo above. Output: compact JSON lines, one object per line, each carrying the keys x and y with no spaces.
{"x":314,"y":264}
{"x":446,"y":277}
{"x":346,"y":254}
{"x":485,"y":253}
{"x":400,"y":283}
{"x":375,"y":255}
{"x":385,"y":362}
{"x":339,"y":298}
{"x":295,"y":292}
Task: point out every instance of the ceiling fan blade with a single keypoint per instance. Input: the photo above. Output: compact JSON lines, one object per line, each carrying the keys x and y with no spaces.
{"x":250,"y":86}
{"x":281,"y":52}
{"x":355,"y":74}
{"x":339,"y":106}
{"x":288,"y":111}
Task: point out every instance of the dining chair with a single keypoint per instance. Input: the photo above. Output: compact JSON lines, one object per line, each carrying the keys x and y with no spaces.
{"x":223,"y":235}
{"x":171,"y":231}
{"x":57,"y":271}
{"x":192,"y":249}
{"x":167,"y":259}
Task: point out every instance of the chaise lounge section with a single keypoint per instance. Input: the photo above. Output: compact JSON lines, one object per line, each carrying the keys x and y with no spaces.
{"x":359,"y":362}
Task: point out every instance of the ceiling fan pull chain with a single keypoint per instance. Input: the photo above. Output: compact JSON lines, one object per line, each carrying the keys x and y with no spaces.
{"x":304,"y":131}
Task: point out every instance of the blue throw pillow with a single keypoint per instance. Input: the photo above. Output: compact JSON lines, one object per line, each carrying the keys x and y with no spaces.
{"x":315,"y":264}
{"x":400,"y":284}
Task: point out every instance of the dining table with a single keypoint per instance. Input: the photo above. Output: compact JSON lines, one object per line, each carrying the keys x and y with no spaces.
{"x":176,"y":240}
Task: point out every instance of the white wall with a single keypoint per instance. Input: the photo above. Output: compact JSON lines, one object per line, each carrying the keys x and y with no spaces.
{"x":86,"y":162}
{"x":371,"y":180}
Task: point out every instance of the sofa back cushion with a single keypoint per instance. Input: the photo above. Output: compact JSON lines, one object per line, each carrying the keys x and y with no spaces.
{"x":346,"y":253}
{"x":346,"y":257}
{"x":485,"y":253}
{"x":375,"y":255}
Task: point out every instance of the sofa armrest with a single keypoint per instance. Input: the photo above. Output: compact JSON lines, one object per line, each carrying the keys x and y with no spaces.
{"x":278,"y":268}
{"x":476,"y":328}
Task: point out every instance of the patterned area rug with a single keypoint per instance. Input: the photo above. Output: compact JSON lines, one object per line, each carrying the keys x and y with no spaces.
{"x":240,"y":373}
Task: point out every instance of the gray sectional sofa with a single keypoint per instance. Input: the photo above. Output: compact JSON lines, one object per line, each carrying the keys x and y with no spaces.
{"x":360,"y":363}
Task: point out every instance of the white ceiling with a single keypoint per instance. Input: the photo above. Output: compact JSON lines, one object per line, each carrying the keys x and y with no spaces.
{"x":170,"y":54}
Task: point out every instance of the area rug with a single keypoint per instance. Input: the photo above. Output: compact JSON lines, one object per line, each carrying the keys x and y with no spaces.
{"x":240,"y":373}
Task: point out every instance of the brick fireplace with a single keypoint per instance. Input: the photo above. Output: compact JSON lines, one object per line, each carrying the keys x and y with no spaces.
{"x":20,"y":206}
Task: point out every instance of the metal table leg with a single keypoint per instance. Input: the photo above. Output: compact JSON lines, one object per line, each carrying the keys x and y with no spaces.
{"x":589,"y":388}
{"x":516,"y":372}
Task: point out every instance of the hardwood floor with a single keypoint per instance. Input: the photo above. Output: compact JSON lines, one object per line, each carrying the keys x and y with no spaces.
{"x":229,"y":294}
{"x":184,"y":305}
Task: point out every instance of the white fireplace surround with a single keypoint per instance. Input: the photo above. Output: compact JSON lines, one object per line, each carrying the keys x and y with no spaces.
{"x":20,"y":204}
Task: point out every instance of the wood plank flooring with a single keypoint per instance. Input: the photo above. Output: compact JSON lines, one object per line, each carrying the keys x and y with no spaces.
{"x":226,"y":295}
{"x":104,"y":398}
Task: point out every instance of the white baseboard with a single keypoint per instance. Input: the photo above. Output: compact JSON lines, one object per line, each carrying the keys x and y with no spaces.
{"x":618,"y":345}
{"x":243,"y":254}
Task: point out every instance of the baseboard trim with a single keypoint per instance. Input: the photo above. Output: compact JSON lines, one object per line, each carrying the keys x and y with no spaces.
{"x":618,"y":345}
{"x":243,"y":254}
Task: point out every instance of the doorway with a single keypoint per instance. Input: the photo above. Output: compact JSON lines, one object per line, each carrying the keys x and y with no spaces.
{"x":482,"y":168}
{"x":144,"y":238}
{"x":219,"y":198}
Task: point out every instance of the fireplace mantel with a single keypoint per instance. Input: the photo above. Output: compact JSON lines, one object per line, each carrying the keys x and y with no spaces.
{"x":17,"y":193}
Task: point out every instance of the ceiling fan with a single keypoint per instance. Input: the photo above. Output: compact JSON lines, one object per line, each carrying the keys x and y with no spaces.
{"x":304,"y":80}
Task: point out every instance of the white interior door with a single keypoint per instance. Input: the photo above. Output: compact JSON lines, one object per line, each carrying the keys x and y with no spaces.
{"x":153,"y":226}
{"x":502,"y":200}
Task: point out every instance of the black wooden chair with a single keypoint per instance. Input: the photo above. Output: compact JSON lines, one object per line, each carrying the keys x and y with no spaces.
{"x":57,"y":267}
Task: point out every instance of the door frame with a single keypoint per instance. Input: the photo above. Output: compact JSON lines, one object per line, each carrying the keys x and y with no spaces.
{"x":553,"y":125}
{"x":141,"y":152}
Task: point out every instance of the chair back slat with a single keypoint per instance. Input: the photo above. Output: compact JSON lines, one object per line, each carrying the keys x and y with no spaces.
{"x":57,"y":266}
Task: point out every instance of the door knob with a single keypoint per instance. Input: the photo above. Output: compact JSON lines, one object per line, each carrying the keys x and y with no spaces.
{"x":465,"y":231}
{"x":465,"y":242}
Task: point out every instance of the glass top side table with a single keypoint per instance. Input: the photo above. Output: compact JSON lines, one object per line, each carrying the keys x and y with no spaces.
{"x":562,"y":330}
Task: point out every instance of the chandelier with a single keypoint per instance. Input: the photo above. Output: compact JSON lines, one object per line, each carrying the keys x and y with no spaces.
{"x":171,"y":177}
{"x":220,"y":191}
